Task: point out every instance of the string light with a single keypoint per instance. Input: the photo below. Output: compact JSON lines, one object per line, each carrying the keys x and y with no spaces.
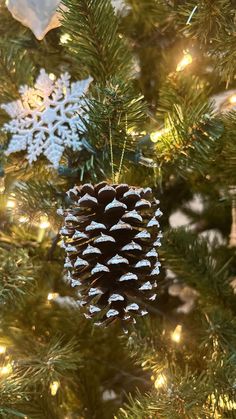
{"x":65,"y":38}
{"x":54,"y":386}
{"x":160,"y":381}
{"x":6,"y":369}
{"x":232,"y":99}
{"x":23,"y":219}
{"x":43,"y":225}
{"x":2,"y":349}
{"x":52,"y":296}
{"x":11,"y":204}
{"x":176,"y":335}
{"x":52,"y":76}
{"x":186,"y":60}
{"x":156,"y":135}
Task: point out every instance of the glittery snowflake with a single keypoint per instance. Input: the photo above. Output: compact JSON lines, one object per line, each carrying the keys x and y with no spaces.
{"x":48,"y":117}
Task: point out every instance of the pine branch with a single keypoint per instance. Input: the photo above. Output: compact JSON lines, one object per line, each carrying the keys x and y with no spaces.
{"x":12,"y":394}
{"x":93,"y":28}
{"x":223,"y":170}
{"x":211,"y":25}
{"x":41,"y":194}
{"x":16,"y":69}
{"x":114,"y":112}
{"x":199,"y":266}
{"x":48,"y":362}
{"x":207,"y":19}
{"x":191,"y":131}
{"x":16,"y":276}
{"x":182,"y":396}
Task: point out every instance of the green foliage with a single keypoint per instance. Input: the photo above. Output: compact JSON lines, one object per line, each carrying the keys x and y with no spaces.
{"x":16,"y":276}
{"x":207,"y":19}
{"x":12,"y":394}
{"x":95,"y":41}
{"x":177,"y":399}
{"x":190,"y":133}
{"x":114,"y":113}
{"x":136,"y":90}
{"x":41,"y":194}
{"x":198,"y":265}
{"x":49,"y":361}
{"x":15,"y":70}
{"x":211,"y":24}
{"x":226,"y":152}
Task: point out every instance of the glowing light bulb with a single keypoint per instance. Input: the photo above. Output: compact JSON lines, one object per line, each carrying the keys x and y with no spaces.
{"x":232,"y":99}
{"x":44,"y":223}
{"x":54,"y":386}
{"x":23,"y":219}
{"x":186,"y":60}
{"x":176,"y":335}
{"x":52,"y":296}
{"x":11,"y":204}
{"x":160,"y":381}
{"x":156,"y":135}
{"x":2,"y":349}
{"x":52,"y":76}
{"x":65,"y":38}
{"x":6,"y":370}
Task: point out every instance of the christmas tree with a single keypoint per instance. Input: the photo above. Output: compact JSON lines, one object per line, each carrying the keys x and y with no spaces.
{"x":117,"y":209}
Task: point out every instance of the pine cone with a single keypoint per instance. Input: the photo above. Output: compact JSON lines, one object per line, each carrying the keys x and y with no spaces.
{"x":110,"y":235}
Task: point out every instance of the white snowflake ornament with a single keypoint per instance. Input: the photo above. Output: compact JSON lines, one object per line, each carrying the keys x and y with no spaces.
{"x":48,"y":117}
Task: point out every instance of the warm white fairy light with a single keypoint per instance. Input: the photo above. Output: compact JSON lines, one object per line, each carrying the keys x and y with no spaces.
{"x":11,"y":204}
{"x":52,"y":296}
{"x":176,"y":335}
{"x":2,"y":349}
{"x":156,"y":135}
{"x":160,"y":381}
{"x":23,"y":219}
{"x":232,"y":99}
{"x":65,"y":38}
{"x":44,"y":223}
{"x":52,"y":76}
{"x":185,"y":61}
{"x":6,"y":369}
{"x":54,"y":386}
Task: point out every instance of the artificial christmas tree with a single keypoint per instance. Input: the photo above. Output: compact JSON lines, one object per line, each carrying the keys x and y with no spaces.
{"x":160,"y":115}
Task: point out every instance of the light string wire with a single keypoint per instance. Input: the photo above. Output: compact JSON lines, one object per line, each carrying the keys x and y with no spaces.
{"x":123,"y":149}
{"x":111,"y":152}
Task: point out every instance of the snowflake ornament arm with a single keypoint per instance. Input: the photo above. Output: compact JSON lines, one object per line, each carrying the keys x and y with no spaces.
{"x":47,"y":118}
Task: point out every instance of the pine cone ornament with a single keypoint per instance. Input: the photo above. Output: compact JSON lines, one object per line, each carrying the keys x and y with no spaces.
{"x":111,"y":235}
